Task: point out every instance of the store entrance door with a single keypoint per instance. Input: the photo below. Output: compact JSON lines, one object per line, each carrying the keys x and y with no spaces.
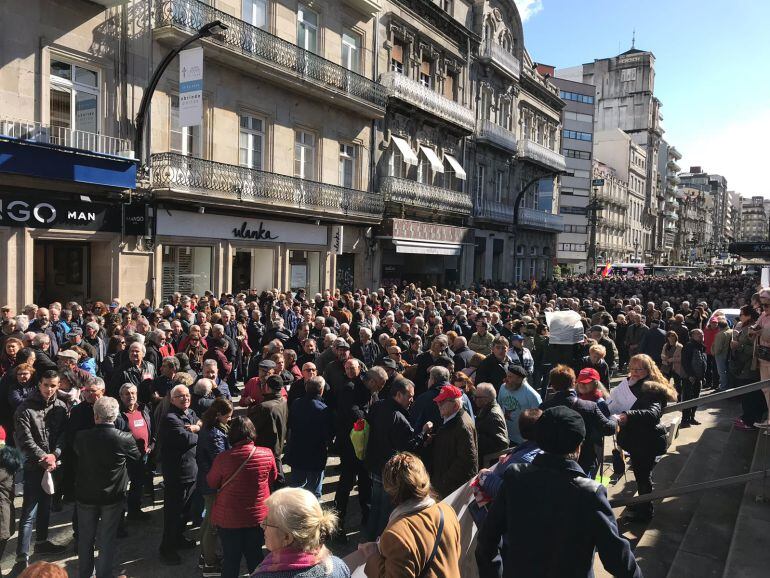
{"x":253,"y":269}
{"x":61,"y":272}
{"x":241,"y":271}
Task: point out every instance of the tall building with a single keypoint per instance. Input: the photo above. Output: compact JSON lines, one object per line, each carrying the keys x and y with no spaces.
{"x":694,"y":235}
{"x":625,"y":100}
{"x":612,"y":219}
{"x":668,"y":171}
{"x":574,"y":194}
{"x":755,"y":219}
{"x":617,"y":150}
{"x":722,"y":215}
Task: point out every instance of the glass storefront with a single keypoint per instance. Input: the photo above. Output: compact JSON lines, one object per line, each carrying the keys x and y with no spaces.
{"x":186,"y":270}
{"x":305,"y":271}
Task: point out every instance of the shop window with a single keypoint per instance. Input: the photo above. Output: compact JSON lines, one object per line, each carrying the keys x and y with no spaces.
{"x":251,"y":142}
{"x":74,"y":103}
{"x":305,"y":271}
{"x":186,"y":269}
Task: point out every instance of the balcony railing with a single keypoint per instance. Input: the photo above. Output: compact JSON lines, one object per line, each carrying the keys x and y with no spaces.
{"x":268,"y":49}
{"x":507,"y":62}
{"x":422,"y":196}
{"x":531,"y":151}
{"x":63,"y":136}
{"x":493,"y":211}
{"x":411,"y":91}
{"x":486,"y":130}
{"x":536,"y":219}
{"x":612,"y":199}
{"x":176,"y":172}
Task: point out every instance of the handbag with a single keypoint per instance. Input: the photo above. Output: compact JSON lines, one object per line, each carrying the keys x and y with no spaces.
{"x":432,"y":556}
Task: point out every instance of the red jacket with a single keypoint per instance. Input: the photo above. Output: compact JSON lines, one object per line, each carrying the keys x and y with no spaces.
{"x":709,"y":333}
{"x":253,"y":390}
{"x":241,"y":503}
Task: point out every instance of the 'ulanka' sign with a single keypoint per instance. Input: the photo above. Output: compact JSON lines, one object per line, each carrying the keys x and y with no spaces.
{"x":260,"y":234}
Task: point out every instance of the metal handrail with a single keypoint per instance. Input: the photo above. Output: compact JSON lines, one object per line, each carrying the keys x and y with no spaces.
{"x":34,"y":131}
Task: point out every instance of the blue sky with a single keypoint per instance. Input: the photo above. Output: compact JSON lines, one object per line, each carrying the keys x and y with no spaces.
{"x":711,"y":69}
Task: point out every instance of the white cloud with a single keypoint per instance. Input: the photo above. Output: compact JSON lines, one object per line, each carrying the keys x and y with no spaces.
{"x":736,"y":150}
{"x":528,"y":8}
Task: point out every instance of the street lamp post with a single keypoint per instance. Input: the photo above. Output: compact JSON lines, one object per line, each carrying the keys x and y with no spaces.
{"x":209,"y":29}
{"x":594,"y":206}
{"x":636,"y":250}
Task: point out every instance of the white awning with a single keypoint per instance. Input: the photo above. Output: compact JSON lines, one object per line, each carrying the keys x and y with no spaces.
{"x":435,"y":162}
{"x":409,"y":156}
{"x":456,"y":167}
{"x":427,"y":247}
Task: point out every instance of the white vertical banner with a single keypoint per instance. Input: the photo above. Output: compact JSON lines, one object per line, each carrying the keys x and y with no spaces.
{"x":336,"y":239}
{"x":191,"y":87}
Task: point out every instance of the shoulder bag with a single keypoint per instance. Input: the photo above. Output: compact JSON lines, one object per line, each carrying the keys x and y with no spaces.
{"x":432,"y":556}
{"x":238,"y":471}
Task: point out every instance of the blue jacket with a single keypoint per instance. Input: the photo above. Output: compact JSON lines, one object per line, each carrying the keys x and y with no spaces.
{"x":311,"y":430}
{"x":553,"y":518}
{"x":211,"y":443}
{"x":178,"y":446}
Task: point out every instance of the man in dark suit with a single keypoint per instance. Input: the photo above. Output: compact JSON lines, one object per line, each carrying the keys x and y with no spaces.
{"x":178,"y":439}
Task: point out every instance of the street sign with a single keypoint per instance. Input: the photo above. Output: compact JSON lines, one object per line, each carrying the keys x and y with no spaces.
{"x":597,"y":183}
{"x":191,"y":87}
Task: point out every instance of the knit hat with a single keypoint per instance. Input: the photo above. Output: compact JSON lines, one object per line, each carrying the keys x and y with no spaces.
{"x":560,"y":430}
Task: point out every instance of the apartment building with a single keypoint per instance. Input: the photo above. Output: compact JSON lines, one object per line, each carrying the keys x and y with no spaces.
{"x":755,"y":219}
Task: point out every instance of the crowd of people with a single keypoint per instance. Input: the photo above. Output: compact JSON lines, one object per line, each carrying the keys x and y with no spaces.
{"x":238,"y":401}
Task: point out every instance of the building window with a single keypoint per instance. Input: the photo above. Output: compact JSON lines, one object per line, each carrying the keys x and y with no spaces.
{"x":185,"y":140}
{"x":351,"y":51}
{"x":305,"y":271}
{"x":519,"y":268}
{"x":74,"y":102}
{"x":584,"y":98}
{"x":347,"y":165}
{"x":533,"y":268}
{"x":571,"y":153}
{"x":186,"y":270}
{"x":307,"y":28}
{"x":577,"y":135}
{"x":499,"y":179}
{"x":397,"y":56}
{"x":255,"y":13}
{"x":567,"y":210}
{"x":450,"y":83}
{"x":251,"y":142}
{"x":446,"y":6}
{"x":628,"y":75}
{"x":480,"y":176}
{"x":426,"y":79}
{"x":304,"y":155}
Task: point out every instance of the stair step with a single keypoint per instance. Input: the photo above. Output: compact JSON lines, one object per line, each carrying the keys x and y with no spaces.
{"x":704,"y":548}
{"x":657,"y":548}
{"x":749,"y":555}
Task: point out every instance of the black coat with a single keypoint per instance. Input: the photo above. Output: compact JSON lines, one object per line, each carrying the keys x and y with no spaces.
{"x":311,"y":430}
{"x":643,"y":432}
{"x":552,"y":518}
{"x":40,"y":428}
{"x":390,"y":432}
{"x":492,"y":371}
{"x":103,"y":452}
{"x":178,"y":446}
{"x":597,"y":424}
{"x":463,"y":357}
{"x":353,"y":400}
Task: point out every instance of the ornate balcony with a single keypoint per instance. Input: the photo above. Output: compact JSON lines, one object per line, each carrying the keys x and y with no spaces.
{"x":257,"y":52}
{"x":611,"y":199}
{"x":180,"y":176}
{"x":529,"y":150}
{"x":499,"y":57}
{"x":486,"y":210}
{"x":487,"y":131}
{"x":425,"y":197}
{"x":541,"y":220}
{"x":61,"y":136}
{"x":404,"y":88}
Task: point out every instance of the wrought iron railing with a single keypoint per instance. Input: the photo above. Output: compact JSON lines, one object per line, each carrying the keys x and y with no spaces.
{"x":536,"y":219}
{"x":489,"y":131}
{"x":420,"y":195}
{"x":530,"y":150}
{"x":400,"y":86}
{"x":63,"y":136}
{"x":492,"y":210}
{"x":264,"y":47}
{"x":493,"y":51}
{"x":182,"y":173}
{"x":611,"y":198}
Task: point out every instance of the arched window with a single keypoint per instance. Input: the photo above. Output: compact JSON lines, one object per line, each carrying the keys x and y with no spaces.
{"x":489,"y":30}
{"x":506,"y":41}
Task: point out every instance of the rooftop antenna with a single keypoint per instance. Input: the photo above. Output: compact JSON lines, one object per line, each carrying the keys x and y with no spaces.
{"x":633,"y":39}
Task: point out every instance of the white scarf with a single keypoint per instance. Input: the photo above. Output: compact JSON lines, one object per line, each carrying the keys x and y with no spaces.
{"x":410,"y":507}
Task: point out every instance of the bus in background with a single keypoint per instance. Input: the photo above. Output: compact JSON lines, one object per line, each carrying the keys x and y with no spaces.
{"x":623,"y":269}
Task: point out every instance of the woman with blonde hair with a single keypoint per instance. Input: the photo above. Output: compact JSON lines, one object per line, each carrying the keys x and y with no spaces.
{"x":296,"y":528}
{"x":422,"y":538}
{"x":641,"y":433}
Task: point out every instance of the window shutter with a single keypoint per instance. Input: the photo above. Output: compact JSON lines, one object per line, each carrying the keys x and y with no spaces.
{"x":397,"y":52}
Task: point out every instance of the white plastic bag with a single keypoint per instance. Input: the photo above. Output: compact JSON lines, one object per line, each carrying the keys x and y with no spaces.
{"x":47,"y":483}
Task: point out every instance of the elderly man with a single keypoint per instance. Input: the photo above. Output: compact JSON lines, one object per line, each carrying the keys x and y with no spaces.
{"x":211,"y":371}
{"x":178,"y":439}
{"x":481,"y":341}
{"x":136,"y":371}
{"x":494,"y":366}
{"x":42,"y":324}
{"x":40,"y":345}
{"x":490,"y":422}
{"x":75,"y":338}
{"x":135,"y":419}
{"x":270,"y":418}
{"x":365,"y":349}
{"x":353,"y":399}
{"x":40,"y":426}
{"x":428,"y":359}
{"x":563,"y":519}
{"x":67,"y":360}
{"x":92,"y":338}
{"x":453,"y":451}
{"x":462,"y":353}
{"x":103,"y":453}
{"x":252,"y":391}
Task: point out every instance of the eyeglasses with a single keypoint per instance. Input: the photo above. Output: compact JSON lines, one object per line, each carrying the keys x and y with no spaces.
{"x":264,"y":525}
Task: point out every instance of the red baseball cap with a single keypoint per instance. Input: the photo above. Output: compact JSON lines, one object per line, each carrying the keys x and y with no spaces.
{"x":448,"y":392}
{"x":588,"y":375}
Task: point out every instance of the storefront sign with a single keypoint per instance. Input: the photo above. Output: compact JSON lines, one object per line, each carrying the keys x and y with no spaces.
{"x":60,"y":214}
{"x":336,"y":240}
{"x":135,"y":218}
{"x":415,"y":230}
{"x":191,"y":87}
{"x":207,"y":226}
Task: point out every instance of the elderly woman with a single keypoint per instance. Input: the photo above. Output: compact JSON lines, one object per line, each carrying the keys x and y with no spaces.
{"x":422,"y":537}
{"x":202,"y":395}
{"x":241,"y":476}
{"x":8,"y":355}
{"x":296,"y":528}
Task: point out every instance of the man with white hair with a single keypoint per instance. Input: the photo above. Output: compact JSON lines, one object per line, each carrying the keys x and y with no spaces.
{"x":178,"y":438}
{"x":42,"y":324}
{"x":365,"y":348}
{"x":103,"y":453}
{"x":40,"y":345}
{"x":490,"y":421}
{"x":136,"y":371}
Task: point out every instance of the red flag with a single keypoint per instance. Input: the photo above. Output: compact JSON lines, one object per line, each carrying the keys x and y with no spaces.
{"x":607,"y":269}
